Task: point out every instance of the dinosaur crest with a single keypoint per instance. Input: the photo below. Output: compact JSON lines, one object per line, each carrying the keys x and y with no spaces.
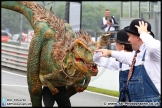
{"x":84,"y":37}
{"x":67,"y":43}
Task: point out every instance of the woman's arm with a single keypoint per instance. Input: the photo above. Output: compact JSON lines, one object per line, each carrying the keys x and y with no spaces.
{"x":121,"y":56}
{"x":109,"y":63}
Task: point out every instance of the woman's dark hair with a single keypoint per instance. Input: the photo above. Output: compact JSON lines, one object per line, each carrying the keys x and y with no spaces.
{"x":127,"y":47}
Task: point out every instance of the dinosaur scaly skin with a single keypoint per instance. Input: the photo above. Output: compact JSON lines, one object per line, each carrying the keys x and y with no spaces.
{"x":57,"y":56}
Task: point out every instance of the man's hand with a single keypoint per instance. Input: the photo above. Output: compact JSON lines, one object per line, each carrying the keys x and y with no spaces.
{"x":108,"y":22}
{"x":105,"y":52}
{"x":142,"y":27}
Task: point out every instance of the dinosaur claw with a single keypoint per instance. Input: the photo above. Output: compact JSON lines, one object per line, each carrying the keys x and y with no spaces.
{"x":79,"y":88}
{"x":54,"y":91}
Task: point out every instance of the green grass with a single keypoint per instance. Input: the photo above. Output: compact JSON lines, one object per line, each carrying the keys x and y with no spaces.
{"x":103,"y":91}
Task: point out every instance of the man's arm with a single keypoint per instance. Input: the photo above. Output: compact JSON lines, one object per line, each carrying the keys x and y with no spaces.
{"x":116,"y":25}
{"x":115,"y":21}
{"x":153,"y":45}
{"x":123,"y":57}
{"x":102,"y":26}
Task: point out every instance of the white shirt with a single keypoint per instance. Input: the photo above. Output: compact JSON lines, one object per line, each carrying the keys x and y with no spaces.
{"x":152,"y":58}
{"x":110,"y":63}
{"x":111,"y":28}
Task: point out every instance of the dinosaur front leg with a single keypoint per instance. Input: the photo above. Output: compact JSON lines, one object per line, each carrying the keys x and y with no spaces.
{"x":48,"y":80}
{"x":82,"y":86}
{"x":87,"y":80}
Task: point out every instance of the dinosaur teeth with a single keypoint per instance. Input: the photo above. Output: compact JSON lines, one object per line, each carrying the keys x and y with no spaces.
{"x":90,"y":66}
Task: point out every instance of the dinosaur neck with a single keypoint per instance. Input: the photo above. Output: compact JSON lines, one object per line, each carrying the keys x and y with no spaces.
{"x":18,"y":7}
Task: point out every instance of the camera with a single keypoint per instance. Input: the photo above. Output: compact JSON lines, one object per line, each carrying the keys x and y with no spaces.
{"x":109,"y":18}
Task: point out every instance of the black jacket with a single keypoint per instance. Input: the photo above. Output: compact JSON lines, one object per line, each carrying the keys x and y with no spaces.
{"x":116,"y":25}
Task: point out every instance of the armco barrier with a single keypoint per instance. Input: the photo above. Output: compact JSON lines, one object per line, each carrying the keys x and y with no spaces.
{"x":14,"y":56}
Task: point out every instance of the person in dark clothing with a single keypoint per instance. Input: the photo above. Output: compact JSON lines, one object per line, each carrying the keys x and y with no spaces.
{"x":108,"y":24}
{"x":61,"y":97}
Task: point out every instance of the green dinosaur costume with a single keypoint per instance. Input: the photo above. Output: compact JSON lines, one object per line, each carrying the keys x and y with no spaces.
{"x":57,"y":56}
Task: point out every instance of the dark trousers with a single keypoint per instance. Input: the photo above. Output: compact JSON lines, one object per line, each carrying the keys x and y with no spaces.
{"x":61,"y":98}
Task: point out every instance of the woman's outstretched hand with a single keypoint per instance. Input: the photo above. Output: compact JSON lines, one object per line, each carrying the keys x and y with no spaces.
{"x":105,"y":52}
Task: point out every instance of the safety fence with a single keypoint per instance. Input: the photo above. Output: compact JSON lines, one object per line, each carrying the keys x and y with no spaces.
{"x":13,"y":56}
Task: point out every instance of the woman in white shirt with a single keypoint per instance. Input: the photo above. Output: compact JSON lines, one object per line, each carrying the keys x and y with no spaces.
{"x":122,"y":44}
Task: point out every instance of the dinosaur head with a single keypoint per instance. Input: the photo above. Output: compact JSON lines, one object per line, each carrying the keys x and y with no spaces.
{"x":82,"y":51}
{"x":76,"y":54}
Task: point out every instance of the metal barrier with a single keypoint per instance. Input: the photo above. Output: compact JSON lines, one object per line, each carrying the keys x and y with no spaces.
{"x":14,"y":56}
{"x":97,"y":34}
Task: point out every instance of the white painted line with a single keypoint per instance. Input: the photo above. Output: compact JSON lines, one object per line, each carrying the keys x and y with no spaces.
{"x":14,"y":85}
{"x":13,"y":73}
{"x":101,"y":94}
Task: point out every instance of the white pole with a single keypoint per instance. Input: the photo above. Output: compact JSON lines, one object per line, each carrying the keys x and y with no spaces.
{"x":21,"y":21}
